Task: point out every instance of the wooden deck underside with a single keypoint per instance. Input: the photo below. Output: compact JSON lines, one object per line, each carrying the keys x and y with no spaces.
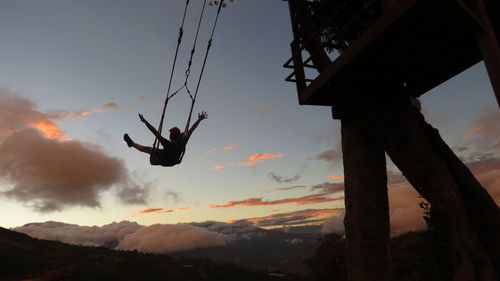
{"x":415,"y":46}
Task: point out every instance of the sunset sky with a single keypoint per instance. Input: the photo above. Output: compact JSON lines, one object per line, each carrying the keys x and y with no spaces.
{"x":74,"y":74}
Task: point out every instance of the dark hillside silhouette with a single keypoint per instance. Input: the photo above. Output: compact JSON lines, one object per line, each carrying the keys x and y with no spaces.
{"x":415,"y":257}
{"x":25,"y":258}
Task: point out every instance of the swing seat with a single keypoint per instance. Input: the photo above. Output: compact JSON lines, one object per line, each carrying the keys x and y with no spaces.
{"x":156,"y":159}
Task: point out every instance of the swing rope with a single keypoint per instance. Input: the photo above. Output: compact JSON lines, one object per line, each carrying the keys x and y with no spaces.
{"x":209,"y":45}
{"x":188,"y":70}
{"x":193,"y":50}
{"x":179,"y":41}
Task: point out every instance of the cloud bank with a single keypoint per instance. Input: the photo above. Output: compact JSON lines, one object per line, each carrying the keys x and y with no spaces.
{"x":48,"y":171}
{"x":171,"y":238}
{"x":107,"y":235}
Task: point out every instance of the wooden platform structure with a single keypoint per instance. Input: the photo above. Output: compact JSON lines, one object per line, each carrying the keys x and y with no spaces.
{"x":416,"y":44}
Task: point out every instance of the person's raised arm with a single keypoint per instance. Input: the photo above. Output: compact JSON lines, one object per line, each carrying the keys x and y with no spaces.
{"x":201,"y":116}
{"x":150,"y":127}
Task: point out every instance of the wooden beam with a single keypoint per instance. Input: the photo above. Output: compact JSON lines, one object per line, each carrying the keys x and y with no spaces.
{"x":488,"y":45}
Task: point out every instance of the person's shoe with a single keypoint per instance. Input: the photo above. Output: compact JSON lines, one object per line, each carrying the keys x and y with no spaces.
{"x":128,"y":140}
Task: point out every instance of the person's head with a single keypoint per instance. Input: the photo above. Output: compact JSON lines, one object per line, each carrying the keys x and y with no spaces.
{"x":175,"y":133}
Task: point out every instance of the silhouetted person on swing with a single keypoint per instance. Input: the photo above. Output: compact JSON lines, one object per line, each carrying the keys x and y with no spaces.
{"x":173,"y":149}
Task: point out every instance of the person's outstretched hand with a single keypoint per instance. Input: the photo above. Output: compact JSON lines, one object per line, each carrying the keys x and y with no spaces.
{"x":142,"y":118}
{"x":202,"y":115}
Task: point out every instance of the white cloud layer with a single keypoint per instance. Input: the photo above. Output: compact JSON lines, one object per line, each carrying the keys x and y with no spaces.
{"x":167,"y":238}
{"x":126,"y":235}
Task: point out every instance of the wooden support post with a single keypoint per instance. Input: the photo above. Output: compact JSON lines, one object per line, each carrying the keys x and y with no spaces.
{"x":486,"y":40}
{"x":489,"y":49}
{"x":366,"y":203}
{"x":483,"y":212}
{"x":398,"y":130}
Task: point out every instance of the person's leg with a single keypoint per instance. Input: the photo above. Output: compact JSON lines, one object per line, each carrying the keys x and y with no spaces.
{"x":145,"y":149}
{"x":131,"y":143}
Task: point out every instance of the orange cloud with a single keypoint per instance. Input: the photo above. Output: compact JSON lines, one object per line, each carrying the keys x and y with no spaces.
{"x":254,"y":159}
{"x":85,"y":113}
{"x":230,"y":147}
{"x":44,"y":122}
{"x":50,"y":130}
{"x":336,"y":177}
{"x":474,"y":131}
{"x":217,"y":167}
{"x":150,"y":211}
{"x":156,"y":211}
{"x":309,"y":199}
